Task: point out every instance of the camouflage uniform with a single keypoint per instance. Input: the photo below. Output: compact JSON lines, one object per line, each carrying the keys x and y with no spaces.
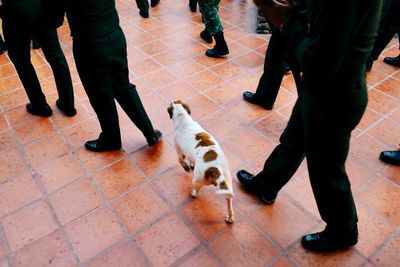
{"x":209,"y":11}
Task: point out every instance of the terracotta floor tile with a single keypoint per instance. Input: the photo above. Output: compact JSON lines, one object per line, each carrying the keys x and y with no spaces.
{"x":252,"y":41}
{"x":373,"y":231}
{"x":140,"y":207}
{"x":178,"y":90}
{"x":204,"y":80}
{"x":18,"y":114}
{"x":145,"y":67}
{"x":118,"y":178}
{"x":272,"y":126}
{"x":283,"y":221}
{"x":249,"y":145}
{"x":201,"y":106}
{"x":237,"y":49}
{"x":175,"y":185}
{"x":385,"y":198}
{"x":185,"y":68}
{"x":393,"y":172}
{"x":167,"y":241}
{"x":389,"y":254}
{"x":200,"y":259}
{"x":46,"y":149}
{"x":7,"y":70}
{"x":229,"y":69}
{"x":94,"y":233}
{"x":209,"y":62}
{"x":242,"y":245}
{"x":13,"y":99}
{"x":283,"y":262}
{"x":383,"y":67}
{"x":12,"y":163}
{"x":154,"y":47}
{"x":74,"y":200}
{"x":369,"y":118}
{"x":33,"y":130}
{"x":18,"y":192}
{"x":137,"y":36}
{"x":380,"y":102}
{"x":93,"y":161}
{"x":27,"y":225}
{"x":348,"y":257}
{"x":7,"y":142}
{"x":51,"y":250}
{"x":59,"y":172}
{"x":161,"y":78}
{"x":10,"y":83}
{"x":230,"y":125}
{"x":3,"y":123}
{"x":386,"y":132}
{"x":77,"y":135}
{"x":224,"y":94}
{"x":126,"y":255}
{"x":63,"y":122}
{"x":247,"y":112}
{"x":4,"y":263}
{"x":155,"y":160}
{"x":169,"y":57}
{"x":374,"y":77}
{"x":366,"y":150}
{"x":250,"y":60}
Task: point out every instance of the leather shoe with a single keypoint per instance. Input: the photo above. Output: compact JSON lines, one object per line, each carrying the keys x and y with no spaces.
{"x":217,"y":52}
{"x":100,"y":145}
{"x":247,"y":181}
{"x":391,"y":157}
{"x":252,"y":98}
{"x":206,"y":36}
{"x":321,"y":242}
{"x":394,"y":61}
{"x":43,"y":111}
{"x":153,"y":3}
{"x":66,"y":111}
{"x":155,"y":138}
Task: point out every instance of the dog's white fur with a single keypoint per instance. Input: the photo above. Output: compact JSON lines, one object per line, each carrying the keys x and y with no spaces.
{"x":199,"y":152}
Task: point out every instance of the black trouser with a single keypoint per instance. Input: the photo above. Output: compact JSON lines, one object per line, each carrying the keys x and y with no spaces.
{"x":103,"y":68}
{"x":320,"y":131}
{"x":143,"y":5}
{"x":388,"y":27}
{"x":274,"y":70}
{"x":18,"y":28}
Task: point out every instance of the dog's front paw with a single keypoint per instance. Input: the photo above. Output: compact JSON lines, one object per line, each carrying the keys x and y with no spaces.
{"x":229,"y":219}
{"x":195,"y":193}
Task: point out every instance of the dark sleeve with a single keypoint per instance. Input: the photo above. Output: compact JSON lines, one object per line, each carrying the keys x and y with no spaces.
{"x":333,"y":24}
{"x":53,"y":12}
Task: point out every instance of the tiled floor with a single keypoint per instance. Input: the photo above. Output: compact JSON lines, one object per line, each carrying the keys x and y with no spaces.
{"x":61,"y":205}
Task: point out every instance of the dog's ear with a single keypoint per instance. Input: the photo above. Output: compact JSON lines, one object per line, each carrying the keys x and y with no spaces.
{"x":186,"y":107}
{"x":170,"y":110}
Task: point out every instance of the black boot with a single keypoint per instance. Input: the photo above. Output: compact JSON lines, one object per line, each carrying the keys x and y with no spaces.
{"x":153,"y":3}
{"x":3,"y":47}
{"x":206,"y":36}
{"x":193,"y":5}
{"x":220,"y":49}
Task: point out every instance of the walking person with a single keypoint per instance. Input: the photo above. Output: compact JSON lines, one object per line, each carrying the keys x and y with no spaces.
{"x":332,"y":55}
{"x":100,"y":52}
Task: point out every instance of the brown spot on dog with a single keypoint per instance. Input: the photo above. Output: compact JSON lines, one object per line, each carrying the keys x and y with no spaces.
{"x":170,"y":110}
{"x":210,"y":155}
{"x":223,"y":186}
{"x":205,"y":139}
{"x":186,"y":107}
{"x":211,"y":175}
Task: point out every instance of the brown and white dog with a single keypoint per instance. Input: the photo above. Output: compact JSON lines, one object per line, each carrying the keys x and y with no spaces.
{"x":200,"y":153}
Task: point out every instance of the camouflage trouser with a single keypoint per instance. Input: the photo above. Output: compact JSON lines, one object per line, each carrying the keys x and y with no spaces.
{"x":209,"y":11}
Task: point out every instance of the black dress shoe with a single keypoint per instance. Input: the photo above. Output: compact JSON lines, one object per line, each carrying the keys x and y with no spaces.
{"x":252,"y":98}
{"x":247,"y":181}
{"x":153,"y":3}
{"x":193,"y":5}
{"x":101,"y":145}
{"x":394,"y":61}
{"x":321,"y":242}
{"x":144,"y":14}
{"x":155,"y":138}
{"x":391,"y":157}
{"x":206,"y":36}
{"x":66,"y":111}
{"x":217,"y":52}
{"x":43,"y":111}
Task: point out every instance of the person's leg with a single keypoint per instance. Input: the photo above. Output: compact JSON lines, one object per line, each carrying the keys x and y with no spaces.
{"x":143,"y":6}
{"x":17,"y":33}
{"x":209,"y":11}
{"x":55,"y":56}
{"x":96,"y":80}
{"x":3,"y":47}
{"x":327,"y":133}
{"x":193,"y":5}
{"x":283,"y":161}
{"x":125,"y":92}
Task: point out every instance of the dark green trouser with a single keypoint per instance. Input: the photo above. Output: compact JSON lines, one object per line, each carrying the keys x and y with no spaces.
{"x":19,"y":24}
{"x":143,"y":5}
{"x":319,"y":129}
{"x":209,"y":11}
{"x":103,"y":68}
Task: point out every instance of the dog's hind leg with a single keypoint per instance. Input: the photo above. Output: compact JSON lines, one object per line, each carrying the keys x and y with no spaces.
{"x":229,"y":218}
{"x":196,"y":187}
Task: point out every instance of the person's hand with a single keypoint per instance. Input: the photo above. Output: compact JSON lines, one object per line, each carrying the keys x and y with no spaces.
{"x":277,"y":11}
